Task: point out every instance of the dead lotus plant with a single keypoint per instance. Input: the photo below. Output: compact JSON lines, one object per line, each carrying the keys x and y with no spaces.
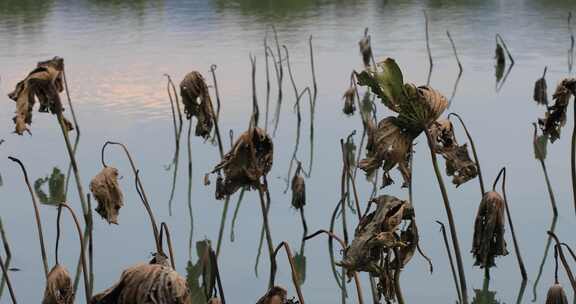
{"x":389,"y":143}
{"x":488,"y":241}
{"x":276,"y":295}
{"x":44,"y":84}
{"x":192,"y":88}
{"x":382,"y":246}
{"x":59,"y":289}
{"x":249,"y":159}
{"x":105,"y":188}
{"x":365,"y":49}
{"x":540,"y":89}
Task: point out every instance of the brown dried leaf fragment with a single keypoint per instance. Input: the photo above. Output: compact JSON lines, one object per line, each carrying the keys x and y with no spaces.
{"x":556,"y":295}
{"x":488,"y":241}
{"x":458,"y":162}
{"x":298,"y":189}
{"x":44,"y":84}
{"x":541,"y":90}
{"x":349,"y":106}
{"x":193,"y":87}
{"x":555,"y":117}
{"x":146,"y":284}
{"x":106,"y":190}
{"x":250,"y":158}
{"x":59,"y":289}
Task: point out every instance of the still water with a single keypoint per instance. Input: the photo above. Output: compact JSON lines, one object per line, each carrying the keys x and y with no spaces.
{"x":116,"y":53}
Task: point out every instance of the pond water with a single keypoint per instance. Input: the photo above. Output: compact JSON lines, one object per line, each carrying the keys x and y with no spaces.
{"x":117,"y":52}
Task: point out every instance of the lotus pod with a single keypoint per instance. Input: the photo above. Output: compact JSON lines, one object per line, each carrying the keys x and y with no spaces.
{"x":365,"y":50}
{"x":104,"y":186}
{"x":555,"y":117}
{"x":146,"y":284}
{"x":540,"y":90}
{"x":556,"y":295}
{"x":458,"y":162}
{"x":276,"y":295}
{"x":298,"y":192}
{"x":44,"y":84}
{"x":193,"y":87}
{"x":388,"y":145}
{"x":249,"y":159}
{"x":488,"y":241}
{"x":59,"y":289}
{"x":349,"y":106}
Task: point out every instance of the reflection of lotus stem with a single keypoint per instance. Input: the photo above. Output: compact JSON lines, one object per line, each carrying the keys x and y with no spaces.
{"x":8,"y":256}
{"x":90,"y":226}
{"x":344,"y":246}
{"x":8,"y":282}
{"x":164,"y":230}
{"x":214,"y":261}
{"x":431,"y":63}
{"x":548,"y":242}
{"x":240,"y":197}
{"x":516,"y":247}
{"x":82,"y":250}
{"x":189,"y":198}
{"x":139,"y":189}
{"x":543,"y":164}
{"x":76,"y":126}
{"x":343,"y":193}
{"x":314,"y":85}
{"x":563,"y":259}
{"x":267,"y":230}
{"x":222,"y":224}
{"x":473,"y":147}
{"x":451,"y":223}
{"x":36,"y":214}
{"x":449,"y":252}
{"x":177,"y":133}
{"x":267,"y":65}
{"x":292,"y":269}
{"x":339,"y":280}
{"x":498,"y":37}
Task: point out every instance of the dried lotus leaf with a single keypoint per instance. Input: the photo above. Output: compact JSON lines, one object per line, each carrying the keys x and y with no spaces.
{"x":59,"y":289}
{"x":192,"y":88}
{"x":488,"y":241}
{"x":555,"y":117}
{"x":106,"y":190}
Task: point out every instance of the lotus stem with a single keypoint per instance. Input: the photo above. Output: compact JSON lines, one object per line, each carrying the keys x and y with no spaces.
{"x":82,"y":250}
{"x":172,"y":108}
{"x":36,"y":215}
{"x":352,"y":180}
{"x":177,"y":133}
{"x":339,"y":279}
{"x":547,"y":179}
{"x":431,"y":63}
{"x":314,"y":85}
{"x":189,"y":196}
{"x":454,"y":51}
{"x":90,"y":243}
{"x":8,"y":253}
{"x":451,"y":222}
{"x":573,"y":158}
{"x":213,"y":68}
{"x":267,"y":231}
{"x":214,"y":260}
{"x":474,"y":152}
{"x":304,"y":224}
{"x":398,"y":290}
{"x":8,"y":282}
{"x":343,"y":193}
{"x":164,"y":230}
{"x":541,"y":268}
{"x":267,"y":65}
{"x":563,"y":259}
{"x":516,"y":247}
{"x":240,"y":197}
{"x":449,"y":252}
{"x":292,"y":269}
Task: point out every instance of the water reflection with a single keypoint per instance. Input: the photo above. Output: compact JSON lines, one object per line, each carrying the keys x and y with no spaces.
{"x":56,"y":190}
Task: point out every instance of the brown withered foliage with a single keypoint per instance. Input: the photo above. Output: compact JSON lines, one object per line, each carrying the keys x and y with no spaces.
{"x":555,"y":117}
{"x":388,"y":145}
{"x":59,"y":289}
{"x":458,"y":162}
{"x":488,"y":241}
{"x":349,"y":106}
{"x":43,"y":84}
{"x":541,"y":90}
{"x":556,"y":295}
{"x":192,"y":88}
{"x":146,"y":284}
{"x":298,"y":189}
{"x":106,"y":190}
{"x":276,"y":295}
{"x":249,"y":159}
{"x":381,"y":244}
{"x":365,"y":49}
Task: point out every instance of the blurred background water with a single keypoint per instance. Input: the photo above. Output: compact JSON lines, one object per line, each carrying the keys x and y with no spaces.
{"x":116,"y":53}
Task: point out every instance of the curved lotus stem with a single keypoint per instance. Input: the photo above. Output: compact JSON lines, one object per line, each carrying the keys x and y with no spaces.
{"x":292,"y":269}
{"x":547,"y":179}
{"x":563,"y":259}
{"x":516,"y":247}
{"x":473,"y":147}
{"x":82,"y":250}
{"x":36,"y":213}
{"x":454,"y":276}
{"x":139,"y":188}
{"x":164,"y":230}
{"x":8,"y":282}
{"x":343,"y":244}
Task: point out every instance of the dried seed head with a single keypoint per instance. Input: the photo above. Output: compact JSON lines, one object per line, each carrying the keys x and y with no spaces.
{"x":104,"y":186}
{"x":276,"y":295}
{"x":59,"y":288}
{"x":193,"y":87}
{"x":365,"y":50}
{"x":249,"y":159}
{"x":44,"y":84}
{"x":556,"y":295}
{"x":298,"y":190}
{"x":146,"y":284}
{"x":349,"y":106}
{"x":488,"y":242}
{"x":555,"y":117}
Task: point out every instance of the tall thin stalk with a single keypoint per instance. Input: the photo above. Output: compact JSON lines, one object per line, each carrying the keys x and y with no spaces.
{"x":474,"y":152}
{"x":541,"y":159}
{"x":541,"y":268}
{"x":293,"y":270}
{"x":235,"y":216}
{"x":90,"y":226}
{"x":563,"y":259}
{"x":8,"y":253}
{"x":189,"y":196}
{"x":7,"y":279}
{"x":82,"y":249}
{"x":165,"y":231}
{"x":430,"y":61}
{"x":449,"y":252}
{"x":267,"y":67}
{"x":312,"y":69}
{"x":269,"y":241}
{"x":573,"y":158}
{"x":177,"y":133}
{"x":36,"y":215}
{"x":451,"y":222}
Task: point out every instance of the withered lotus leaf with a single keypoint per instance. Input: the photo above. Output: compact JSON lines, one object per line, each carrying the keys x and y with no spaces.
{"x":249,"y":159}
{"x":365,"y":50}
{"x":556,"y":295}
{"x":488,"y":241}
{"x":555,"y":117}
{"x":106,"y":190}
{"x":540,"y":91}
{"x":276,"y":295}
{"x":298,"y":190}
{"x":388,"y":145}
{"x":146,"y":284}
{"x":458,"y":162}
{"x":349,"y":106}
{"x":59,"y":289}
{"x":44,"y":84}
{"x":193,"y":87}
